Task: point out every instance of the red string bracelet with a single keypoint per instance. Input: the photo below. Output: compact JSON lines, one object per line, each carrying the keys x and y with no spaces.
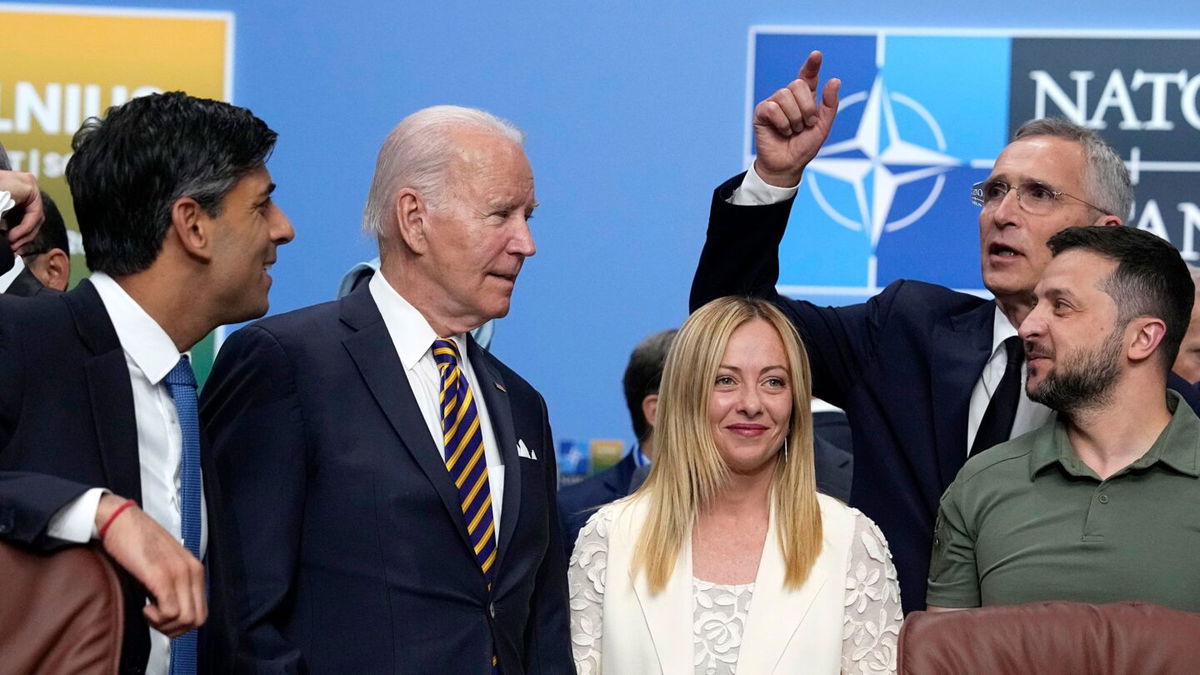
{"x":128,"y":503}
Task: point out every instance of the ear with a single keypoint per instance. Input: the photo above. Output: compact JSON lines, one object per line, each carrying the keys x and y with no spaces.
{"x":193,"y":228}
{"x":1107,"y":220}
{"x":650,"y":409}
{"x":1143,"y":336}
{"x":412,"y":220}
{"x":53,"y":269}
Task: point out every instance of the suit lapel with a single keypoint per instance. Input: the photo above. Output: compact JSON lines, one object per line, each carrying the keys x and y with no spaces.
{"x":963,"y":344}
{"x":776,"y":613}
{"x":669,"y":612}
{"x":496,"y":398}
{"x":111,"y":393}
{"x":374,"y":354}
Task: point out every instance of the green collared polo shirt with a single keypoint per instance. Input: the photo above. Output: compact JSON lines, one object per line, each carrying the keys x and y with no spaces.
{"x":1027,"y":521}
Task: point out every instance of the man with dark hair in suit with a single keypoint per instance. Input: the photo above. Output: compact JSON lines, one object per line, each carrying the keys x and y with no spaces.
{"x":926,"y":375}
{"x":643,"y":374}
{"x":98,"y":431}
{"x":47,"y":260}
{"x":390,"y":484}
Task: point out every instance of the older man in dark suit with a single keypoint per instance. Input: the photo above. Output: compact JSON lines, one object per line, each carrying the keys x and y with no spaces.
{"x":390,"y":483}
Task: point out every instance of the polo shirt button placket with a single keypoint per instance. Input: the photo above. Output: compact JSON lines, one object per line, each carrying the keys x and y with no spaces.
{"x":1103,"y":499}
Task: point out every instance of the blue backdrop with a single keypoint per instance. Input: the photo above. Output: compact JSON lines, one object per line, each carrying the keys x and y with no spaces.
{"x":633,"y":111}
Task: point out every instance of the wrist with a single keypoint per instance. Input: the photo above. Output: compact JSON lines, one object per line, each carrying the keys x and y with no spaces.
{"x":108,"y":505}
{"x":779,"y":179}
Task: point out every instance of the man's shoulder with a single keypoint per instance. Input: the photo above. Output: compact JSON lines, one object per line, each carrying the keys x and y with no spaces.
{"x":1008,"y":459}
{"x":927,"y":298}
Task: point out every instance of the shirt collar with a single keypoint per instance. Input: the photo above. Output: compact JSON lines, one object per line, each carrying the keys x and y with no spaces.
{"x":146,"y":343}
{"x":639,"y":457}
{"x":7,"y":278}
{"x":1002,"y":329}
{"x":1178,"y":446}
{"x":411,"y":333}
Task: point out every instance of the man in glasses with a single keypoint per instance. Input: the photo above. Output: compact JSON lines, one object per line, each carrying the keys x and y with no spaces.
{"x":926,"y":375}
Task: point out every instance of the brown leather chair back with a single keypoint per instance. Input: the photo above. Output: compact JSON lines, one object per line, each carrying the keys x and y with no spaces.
{"x":1052,"y":637}
{"x":59,"y":613}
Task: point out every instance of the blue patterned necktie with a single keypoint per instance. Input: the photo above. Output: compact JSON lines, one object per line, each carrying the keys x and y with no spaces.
{"x":464,"y":458}
{"x":181,"y":382}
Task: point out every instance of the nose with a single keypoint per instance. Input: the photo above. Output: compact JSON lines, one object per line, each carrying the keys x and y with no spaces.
{"x":280,"y":228}
{"x":1005,"y":212}
{"x":749,"y":402}
{"x":521,"y":242}
{"x":1034,"y":325}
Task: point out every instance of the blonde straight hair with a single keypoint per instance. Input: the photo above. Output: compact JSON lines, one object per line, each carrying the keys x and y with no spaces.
{"x":688,"y":471}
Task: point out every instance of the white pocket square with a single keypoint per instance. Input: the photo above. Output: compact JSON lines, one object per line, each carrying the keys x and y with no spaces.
{"x":523,"y":451}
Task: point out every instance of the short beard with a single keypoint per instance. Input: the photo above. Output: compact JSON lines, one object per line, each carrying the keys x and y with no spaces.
{"x":1082,"y":381}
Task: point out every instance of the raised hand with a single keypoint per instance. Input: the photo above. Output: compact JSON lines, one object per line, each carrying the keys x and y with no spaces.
{"x":791,"y":125}
{"x":172,"y":575}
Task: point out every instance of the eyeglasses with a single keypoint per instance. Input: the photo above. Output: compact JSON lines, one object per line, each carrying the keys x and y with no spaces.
{"x":1036,"y":198}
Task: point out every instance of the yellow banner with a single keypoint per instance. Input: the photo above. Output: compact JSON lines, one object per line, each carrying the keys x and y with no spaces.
{"x":63,"y":65}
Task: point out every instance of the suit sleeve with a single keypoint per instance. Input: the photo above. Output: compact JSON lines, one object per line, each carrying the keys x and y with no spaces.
{"x":252,"y":416}
{"x":28,"y":500}
{"x":547,"y":634}
{"x":741,"y":257}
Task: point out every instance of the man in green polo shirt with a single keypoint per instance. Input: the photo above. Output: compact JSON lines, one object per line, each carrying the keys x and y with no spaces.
{"x":1102,"y":503}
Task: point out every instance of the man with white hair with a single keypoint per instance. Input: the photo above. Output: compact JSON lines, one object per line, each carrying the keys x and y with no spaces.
{"x":390,"y":484}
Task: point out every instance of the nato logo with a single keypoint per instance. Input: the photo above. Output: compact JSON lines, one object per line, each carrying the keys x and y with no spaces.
{"x":888,"y":197}
{"x":922,"y":117}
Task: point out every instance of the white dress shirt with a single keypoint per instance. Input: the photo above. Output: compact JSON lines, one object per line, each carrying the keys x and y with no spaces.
{"x":755,"y":192}
{"x":413,"y":339}
{"x":1030,"y":415}
{"x":150,"y":354}
{"x":7,"y":278}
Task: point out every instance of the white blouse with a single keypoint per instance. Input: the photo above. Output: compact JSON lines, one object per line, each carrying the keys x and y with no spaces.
{"x":870,"y":622}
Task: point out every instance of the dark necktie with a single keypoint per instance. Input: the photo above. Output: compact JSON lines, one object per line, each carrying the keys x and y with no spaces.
{"x":996,"y":426}
{"x":181,"y":382}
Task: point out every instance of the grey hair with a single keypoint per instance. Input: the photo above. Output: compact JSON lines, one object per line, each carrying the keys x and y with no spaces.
{"x":1106,"y":179}
{"x":1195,"y":272}
{"x":5,"y":165}
{"x":416,"y":155}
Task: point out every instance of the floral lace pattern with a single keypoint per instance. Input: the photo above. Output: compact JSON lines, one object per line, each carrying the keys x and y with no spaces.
{"x":871,"y":620}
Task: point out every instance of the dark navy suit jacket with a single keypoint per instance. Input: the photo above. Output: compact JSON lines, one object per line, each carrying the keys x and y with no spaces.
{"x":902,"y":365}
{"x":26,"y":285}
{"x":67,"y":424}
{"x":348,"y":546}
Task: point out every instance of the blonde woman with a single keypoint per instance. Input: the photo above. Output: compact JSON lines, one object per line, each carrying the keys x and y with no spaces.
{"x":727,"y":560}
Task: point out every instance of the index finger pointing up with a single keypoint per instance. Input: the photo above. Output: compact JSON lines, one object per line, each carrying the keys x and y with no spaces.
{"x":810,"y":70}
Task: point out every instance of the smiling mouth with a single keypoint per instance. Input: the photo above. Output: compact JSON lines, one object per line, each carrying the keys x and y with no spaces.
{"x":747,"y":429}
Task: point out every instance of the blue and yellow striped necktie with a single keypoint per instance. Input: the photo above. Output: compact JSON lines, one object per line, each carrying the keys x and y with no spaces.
{"x":464,"y":455}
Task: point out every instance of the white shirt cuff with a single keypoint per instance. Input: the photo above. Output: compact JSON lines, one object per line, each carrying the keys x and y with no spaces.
{"x":76,"y":522}
{"x":754,"y":191}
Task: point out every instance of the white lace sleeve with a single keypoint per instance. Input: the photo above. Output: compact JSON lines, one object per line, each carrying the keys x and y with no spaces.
{"x":585,"y":584}
{"x":872,"y":616}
